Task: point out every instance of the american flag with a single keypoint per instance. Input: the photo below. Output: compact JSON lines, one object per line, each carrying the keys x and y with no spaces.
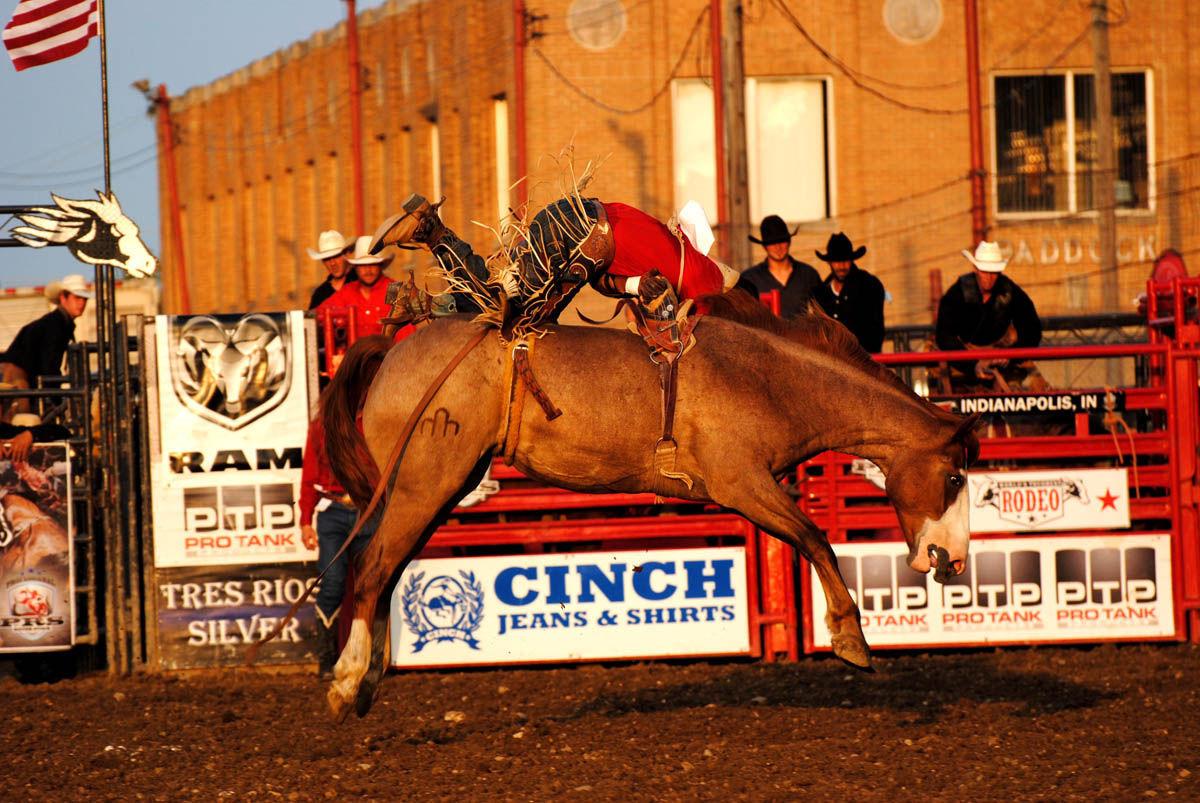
{"x":42,"y":31}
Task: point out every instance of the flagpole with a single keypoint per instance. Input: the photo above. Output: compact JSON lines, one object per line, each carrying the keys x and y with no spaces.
{"x":106,"y":336}
{"x":104,"y":93}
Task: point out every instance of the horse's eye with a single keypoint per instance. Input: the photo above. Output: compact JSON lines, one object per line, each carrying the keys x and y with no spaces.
{"x":954,"y":481}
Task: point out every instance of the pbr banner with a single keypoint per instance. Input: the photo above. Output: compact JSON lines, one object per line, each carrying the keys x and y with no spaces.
{"x":1054,"y":499}
{"x":208,"y":616}
{"x":561,"y":607}
{"x":36,"y":566}
{"x":1030,"y":589}
{"x":232,"y":395}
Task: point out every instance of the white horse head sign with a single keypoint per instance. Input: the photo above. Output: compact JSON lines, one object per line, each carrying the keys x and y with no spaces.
{"x":96,"y":232}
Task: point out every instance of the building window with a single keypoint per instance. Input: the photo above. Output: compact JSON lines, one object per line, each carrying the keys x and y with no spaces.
{"x":1046,"y":157}
{"x":787,"y":148}
{"x":787,"y":144}
{"x":500,"y":123}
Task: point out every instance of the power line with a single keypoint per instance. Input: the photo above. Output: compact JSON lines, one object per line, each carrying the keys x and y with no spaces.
{"x":653,"y":98}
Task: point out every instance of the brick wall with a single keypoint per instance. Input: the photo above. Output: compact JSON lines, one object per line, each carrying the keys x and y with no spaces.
{"x":264,"y":162}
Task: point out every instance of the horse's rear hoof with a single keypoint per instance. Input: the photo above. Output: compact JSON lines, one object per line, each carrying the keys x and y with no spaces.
{"x":339,"y":706}
{"x":367,"y":693}
{"x":854,"y":651}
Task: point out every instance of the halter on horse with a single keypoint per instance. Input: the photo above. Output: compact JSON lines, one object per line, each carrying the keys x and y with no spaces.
{"x":751,"y":405}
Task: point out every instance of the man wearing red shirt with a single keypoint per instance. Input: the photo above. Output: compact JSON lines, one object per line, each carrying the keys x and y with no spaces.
{"x":322,"y":497}
{"x":366,"y":297}
{"x":618,"y":249}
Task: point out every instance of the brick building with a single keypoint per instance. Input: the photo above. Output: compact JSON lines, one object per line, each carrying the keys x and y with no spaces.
{"x":856,"y":121}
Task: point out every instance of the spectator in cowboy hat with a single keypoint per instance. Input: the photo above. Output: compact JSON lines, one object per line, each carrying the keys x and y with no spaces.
{"x":367,"y":295}
{"x":795,"y":280}
{"x":850,"y":294}
{"x":331,"y":252}
{"x":986,"y":309}
{"x":39,"y":346}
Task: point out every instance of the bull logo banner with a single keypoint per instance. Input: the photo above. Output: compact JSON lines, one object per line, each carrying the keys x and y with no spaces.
{"x":233,"y":371}
{"x":36,"y":568}
{"x":230,"y":417}
{"x":1051,"y":500}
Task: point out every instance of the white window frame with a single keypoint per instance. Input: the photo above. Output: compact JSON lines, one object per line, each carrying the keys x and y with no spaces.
{"x":757,"y":213}
{"x":1072,"y":209}
{"x":501,"y":156}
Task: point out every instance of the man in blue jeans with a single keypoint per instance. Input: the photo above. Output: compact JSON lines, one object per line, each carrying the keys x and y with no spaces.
{"x":322,"y":496}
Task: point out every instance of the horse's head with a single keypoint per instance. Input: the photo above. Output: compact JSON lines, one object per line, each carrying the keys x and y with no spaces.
{"x":928,"y":487}
{"x":96,"y":232}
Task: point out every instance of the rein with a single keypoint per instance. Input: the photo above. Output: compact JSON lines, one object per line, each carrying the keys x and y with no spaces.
{"x":380,"y":488}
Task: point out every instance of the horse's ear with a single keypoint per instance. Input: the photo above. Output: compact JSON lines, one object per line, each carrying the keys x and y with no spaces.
{"x":965,"y":434}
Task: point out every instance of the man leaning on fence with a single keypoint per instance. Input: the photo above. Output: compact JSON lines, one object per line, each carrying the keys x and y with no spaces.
{"x":986,"y":309}
{"x":39,"y":348}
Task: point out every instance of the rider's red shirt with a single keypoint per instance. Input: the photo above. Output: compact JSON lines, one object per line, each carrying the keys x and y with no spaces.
{"x":644,"y":243}
{"x":367,"y":310}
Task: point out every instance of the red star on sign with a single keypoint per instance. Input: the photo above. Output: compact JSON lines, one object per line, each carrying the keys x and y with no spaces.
{"x":1108,"y":500}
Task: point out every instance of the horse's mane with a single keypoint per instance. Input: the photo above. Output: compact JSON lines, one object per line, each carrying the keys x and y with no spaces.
{"x":814,"y":329}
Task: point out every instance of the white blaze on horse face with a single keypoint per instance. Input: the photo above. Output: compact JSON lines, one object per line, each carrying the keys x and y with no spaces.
{"x":951,"y":532}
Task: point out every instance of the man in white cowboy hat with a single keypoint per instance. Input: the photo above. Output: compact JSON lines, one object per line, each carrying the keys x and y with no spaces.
{"x":331,"y":251}
{"x":986,"y":309}
{"x":38,"y":348}
{"x":780,"y":271}
{"x":367,"y":294}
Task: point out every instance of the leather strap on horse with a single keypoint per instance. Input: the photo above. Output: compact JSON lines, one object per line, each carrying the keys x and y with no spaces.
{"x":380,"y":488}
{"x":518,"y":377}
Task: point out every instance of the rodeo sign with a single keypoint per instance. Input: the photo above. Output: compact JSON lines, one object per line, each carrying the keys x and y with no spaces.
{"x":1051,"y":500}
{"x":579,"y":606}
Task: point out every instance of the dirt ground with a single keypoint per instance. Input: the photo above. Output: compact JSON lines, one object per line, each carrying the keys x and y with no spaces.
{"x":1066,"y":724}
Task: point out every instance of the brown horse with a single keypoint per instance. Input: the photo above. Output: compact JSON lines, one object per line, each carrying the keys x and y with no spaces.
{"x":755,"y":399}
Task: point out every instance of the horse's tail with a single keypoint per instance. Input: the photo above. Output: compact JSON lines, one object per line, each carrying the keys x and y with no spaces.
{"x":341,"y":403}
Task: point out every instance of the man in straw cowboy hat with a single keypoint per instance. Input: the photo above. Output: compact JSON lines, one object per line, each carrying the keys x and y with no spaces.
{"x":986,"y":309}
{"x":795,"y":280}
{"x":331,"y":251}
{"x":366,"y":295}
{"x":851,"y":295}
{"x":39,"y":346}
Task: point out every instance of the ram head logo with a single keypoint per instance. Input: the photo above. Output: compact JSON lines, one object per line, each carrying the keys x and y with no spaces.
{"x":96,"y":232}
{"x":231,"y":374}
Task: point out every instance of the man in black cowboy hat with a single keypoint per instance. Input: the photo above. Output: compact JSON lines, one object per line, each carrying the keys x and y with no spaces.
{"x":795,"y":280}
{"x":850,"y":294}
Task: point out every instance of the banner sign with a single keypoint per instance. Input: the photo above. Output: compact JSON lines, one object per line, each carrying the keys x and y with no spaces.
{"x":1030,"y":589}
{"x":207,"y":617}
{"x":1052,"y":499}
{"x":36,"y":566}
{"x":571,"y":606}
{"x":232,"y":397}
{"x":1025,"y":403}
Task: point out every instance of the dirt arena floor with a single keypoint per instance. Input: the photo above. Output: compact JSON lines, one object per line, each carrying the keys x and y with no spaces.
{"x":1110,"y":723}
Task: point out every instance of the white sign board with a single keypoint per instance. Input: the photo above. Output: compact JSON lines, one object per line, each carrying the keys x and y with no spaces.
{"x":1050,"y":500}
{"x":232,"y":397}
{"x":571,"y":606}
{"x":1045,"y":589}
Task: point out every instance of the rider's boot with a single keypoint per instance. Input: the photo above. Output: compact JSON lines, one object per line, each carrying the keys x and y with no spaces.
{"x":418,"y":223}
{"x":327,"y":646}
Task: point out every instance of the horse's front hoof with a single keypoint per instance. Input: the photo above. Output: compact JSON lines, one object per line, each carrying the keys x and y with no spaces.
{"x":854,"y":651}
{"x":339,"y":706}
{"x":367,"y":693}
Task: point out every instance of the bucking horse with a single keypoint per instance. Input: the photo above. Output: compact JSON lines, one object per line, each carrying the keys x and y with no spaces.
{"x":755,"y":397}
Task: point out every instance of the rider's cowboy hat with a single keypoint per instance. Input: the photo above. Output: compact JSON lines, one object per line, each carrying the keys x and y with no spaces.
{"x":773,"y":230}
{"x":987,"y":257}
{"x":362,"y":254}
{"x":74,"y":284}
{"x":329,"y":244}
{"x":840,"y":249}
